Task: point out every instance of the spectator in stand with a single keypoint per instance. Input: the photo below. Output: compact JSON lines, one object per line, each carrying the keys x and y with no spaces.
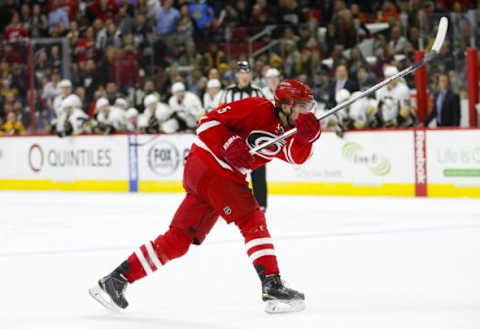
{"x":7,"y":108}
{"x":38,"y":22}
{"x":203,"y":16}
{"x":14,"y":53}
{"x":82,"y":94}
{"x":228,"y":17}
{"x":58,"y":18}
{"x":288,"y":37}
{"x":39,"y":112}
{"x":25,"y":15}
{"x":365,"y":78}
{"x":341,"y":82}
{"x":107,"y":66}
{"x":258,"y":19}
{"x":15,"y":31}
{"x":50,"y":88}
{"x":55,"y":61}
{"x":211,"y":98}
{"x":242,"y":13}
{"x":19,"y":80}
{"x":167,"y":23}
{"x":397,"y":40}
{"x":74,"y":34}
{"x":345,"y":30}
{"x":197,"y":82}
{"x":85,"y":48}
{"x":405,"y":13}
{"x":388,"y":11}
{"x":90,"y":78}
{"x":192,"y":57}
{"x":414,"y":35}
{"x":356,"y":61}
{"x":103,"y":9}
{"x":112,"y":93}
{"x":185,"y":28}
{"x":213,"y":74}
{"x":12,"y":126}
{"x":445,"y":62}
{"x":41,"y":63}
{"x":5,"y":78}
{"x":290,"y":12}
{"x":214,"y":56}
{"x":293,"y":60}
{"x":446,"y":105}
{"x":128,"y":72}
{"x":125,"y":18}
{"x":109,"y":36}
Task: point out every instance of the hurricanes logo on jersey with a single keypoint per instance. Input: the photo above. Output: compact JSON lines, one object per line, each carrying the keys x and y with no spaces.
{"x":258,"y":137}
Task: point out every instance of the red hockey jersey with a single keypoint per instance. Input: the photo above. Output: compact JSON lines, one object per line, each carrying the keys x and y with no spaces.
{"x":254,"y":120}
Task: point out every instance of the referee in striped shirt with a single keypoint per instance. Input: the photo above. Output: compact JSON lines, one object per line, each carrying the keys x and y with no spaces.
{"x":241,"y":90}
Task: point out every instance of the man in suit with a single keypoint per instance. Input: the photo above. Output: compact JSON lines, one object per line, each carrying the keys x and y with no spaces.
{"x":446,"y":106}
{"x":341,"y":82}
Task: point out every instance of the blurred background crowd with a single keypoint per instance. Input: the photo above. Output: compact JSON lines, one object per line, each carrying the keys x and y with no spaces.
{"x":150,"y":66}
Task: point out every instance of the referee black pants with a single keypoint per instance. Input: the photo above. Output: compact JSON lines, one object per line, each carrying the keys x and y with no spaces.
{"x":259,"y":183}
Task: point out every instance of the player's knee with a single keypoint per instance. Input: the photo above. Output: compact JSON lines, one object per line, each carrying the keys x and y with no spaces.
{"x":253,"y":224}
{"x":173,"y":244}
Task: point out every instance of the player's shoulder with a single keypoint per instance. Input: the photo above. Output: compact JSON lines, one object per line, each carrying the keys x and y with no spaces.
{"x":255,"y":105}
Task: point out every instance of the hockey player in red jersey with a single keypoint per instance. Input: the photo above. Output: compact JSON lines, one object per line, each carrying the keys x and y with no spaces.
{"x":215,"y":183}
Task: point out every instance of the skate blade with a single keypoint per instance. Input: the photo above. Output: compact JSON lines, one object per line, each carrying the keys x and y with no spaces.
{"x":102,"y":297}
{"x":284,"y":306}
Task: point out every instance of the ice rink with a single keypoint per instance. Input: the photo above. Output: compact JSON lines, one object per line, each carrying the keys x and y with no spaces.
{"x":362,"y":263}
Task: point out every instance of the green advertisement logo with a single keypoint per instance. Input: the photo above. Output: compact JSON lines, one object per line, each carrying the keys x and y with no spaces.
{"x":377,"y":164}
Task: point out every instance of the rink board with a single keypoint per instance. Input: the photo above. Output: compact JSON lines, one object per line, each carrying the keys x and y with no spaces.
{"x":441,"y":163}
{"x":82,"y":163}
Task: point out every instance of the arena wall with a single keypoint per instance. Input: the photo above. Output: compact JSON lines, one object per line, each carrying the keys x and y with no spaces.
{"x":421,"y":162}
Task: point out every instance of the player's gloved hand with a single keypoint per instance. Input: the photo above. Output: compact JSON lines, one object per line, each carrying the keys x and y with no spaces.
{"x":236,"y":152}
{"x":308,"y":128}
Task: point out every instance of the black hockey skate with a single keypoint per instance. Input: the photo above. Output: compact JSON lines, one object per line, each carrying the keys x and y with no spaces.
{"x":279,"y":298}
{"x":110,"y":291}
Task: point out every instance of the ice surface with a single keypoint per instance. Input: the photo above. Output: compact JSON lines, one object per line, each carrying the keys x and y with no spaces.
{"x":362,"y":263}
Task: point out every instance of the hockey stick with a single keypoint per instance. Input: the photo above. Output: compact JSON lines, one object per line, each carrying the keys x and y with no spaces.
{"x":437,"y":44}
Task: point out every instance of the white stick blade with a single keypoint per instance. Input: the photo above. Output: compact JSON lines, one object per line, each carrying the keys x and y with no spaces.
{"x":441,"y":34}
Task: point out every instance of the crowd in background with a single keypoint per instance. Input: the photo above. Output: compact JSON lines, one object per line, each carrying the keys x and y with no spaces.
{"x":158,"y":65}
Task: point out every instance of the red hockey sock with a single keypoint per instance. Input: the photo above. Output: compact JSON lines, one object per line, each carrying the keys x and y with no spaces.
{"x":258,"y":242}
{"x":152,"y":255}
